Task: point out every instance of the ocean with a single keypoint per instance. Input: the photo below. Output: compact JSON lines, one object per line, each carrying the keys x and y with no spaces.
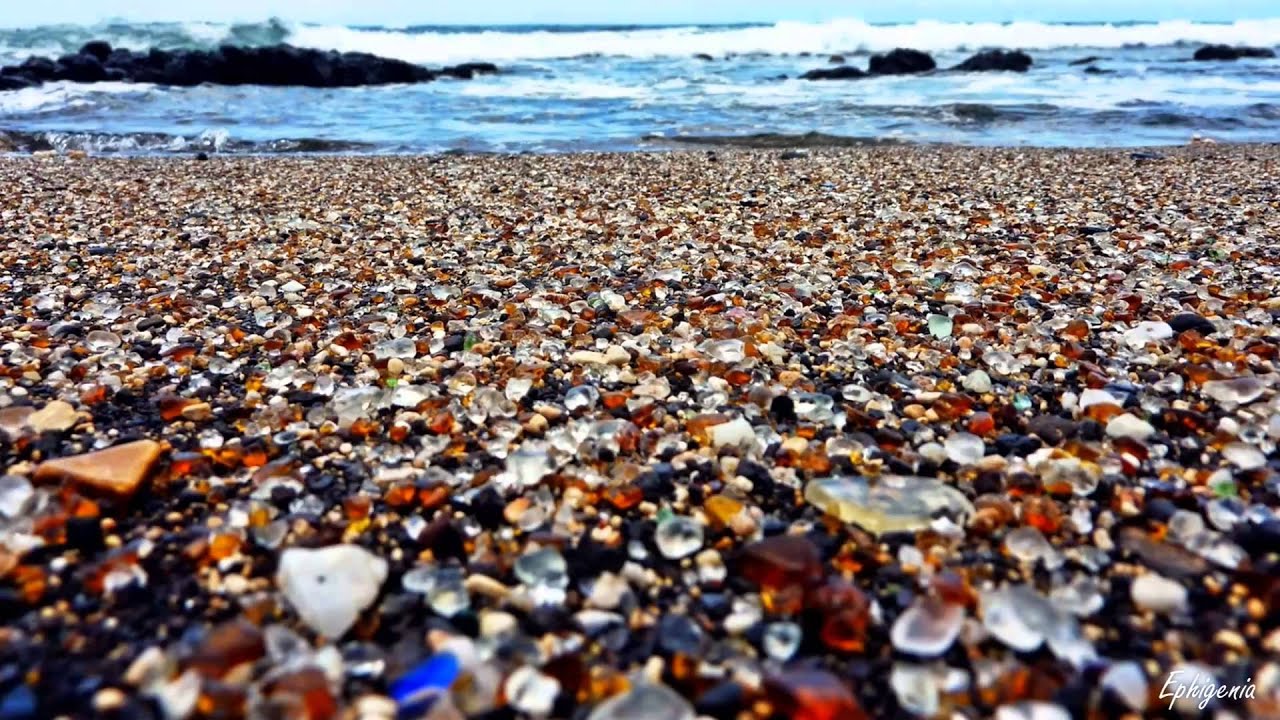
{"x":642,"y":88}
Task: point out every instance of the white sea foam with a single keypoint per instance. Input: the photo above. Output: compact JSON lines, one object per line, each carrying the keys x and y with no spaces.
{"x":62,"y":96}
{"x":499,"y":45}
{"x":787,"y":37}
{"x":553,"y":88}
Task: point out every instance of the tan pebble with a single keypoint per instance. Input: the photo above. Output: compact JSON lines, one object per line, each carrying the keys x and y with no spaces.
{"x":486,"y":586}
{"x":588,"y":357}
{"x":789,"y":378}
{"x":536,"y":424}
{"x":616,"y":355}
{"x":395,"y":367}
{"x":550,"y":412}
{"x":118,"y":470}
{"x":795,"y":444}
{"x":108,"y":700}
{"x":991,"y":463}
{"x":236,"y":584}
{"x":915,"y":411}
{"x":57,"y":416}
{"x":743,"y":525}
{"x":149,"y":667}
{"x":197,"y":412}
{"x":375,"y":707}
{"x":1271,"y":643}
{"x":1232,"y":639}
{"x":653,"y":669}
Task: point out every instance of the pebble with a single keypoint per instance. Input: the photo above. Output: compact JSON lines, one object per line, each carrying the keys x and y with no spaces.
{"x":1157,"y":593}
{"x":416,"y":689}
{"x":16,"y":495}
{"x":678,"y":536}
{"x":644,"y":701}
{"x":1129,"y":426}
{"x":892,"y":504}
{"x":118,"y":470}
{"x":330,"y":586}
{"x":964,"y":448}
{"x":57,"y":416}
{"x":927,"y":628}
{"x":1128,"y":682}
{"x":735,"y":433}
{"x":530,"y":692}
{"x":1244,"y":455}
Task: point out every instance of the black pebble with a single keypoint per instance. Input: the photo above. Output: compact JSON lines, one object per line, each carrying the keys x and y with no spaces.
{"x":1160,"y":509}
{"x":783,"y":409}
{"x":723,"y":701}
{"x":1191,"y":321}
{"x":85,"y":535}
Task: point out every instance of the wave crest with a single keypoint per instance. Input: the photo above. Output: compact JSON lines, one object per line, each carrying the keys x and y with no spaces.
{"x":441,"y":46}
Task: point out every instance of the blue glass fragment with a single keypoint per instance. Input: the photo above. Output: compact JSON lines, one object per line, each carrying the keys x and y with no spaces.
{"x":417,"y":689}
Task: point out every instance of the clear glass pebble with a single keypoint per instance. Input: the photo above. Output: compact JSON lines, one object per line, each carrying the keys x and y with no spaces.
{"x":16,"y":495}
{"x":100,"y":341}
{"x":939,"y":325}
{"x":782,"y":640}
{"x":544,"y":566}
{"x":964,"y":448}
{"x":893,"y":503}
{"x":927,"y":628}
{"x":678,"y":536}
{"x":644,"y":701}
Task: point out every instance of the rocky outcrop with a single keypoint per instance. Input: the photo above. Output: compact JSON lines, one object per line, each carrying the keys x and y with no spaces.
{"x":1228,"y":52}
{"x":901,"y":61}
{"x":843,"y":72}
{"x":996,"y":60}
{"x":904,"y":61}
{"x":280,"y":65}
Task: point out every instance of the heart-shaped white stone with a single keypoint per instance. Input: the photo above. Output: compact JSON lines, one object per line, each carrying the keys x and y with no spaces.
{"x":328,"y":587}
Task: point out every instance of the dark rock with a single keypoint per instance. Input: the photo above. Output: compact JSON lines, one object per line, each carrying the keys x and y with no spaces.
{"x":836,"y":59}
{"x":703,"y":56}
{"x":80,"y":68}
{"x":1095,"y":70}
{"x":996,"y":60}
{"x":902,"y":61}
{"x":466,"y":71}
{"x":99,"y":49}
{"x":277,"y":65}
{"x":1228,"y":52}
{"x":36,"y":69}
{"x":1086,"y":60}
{"x":844,"y":72}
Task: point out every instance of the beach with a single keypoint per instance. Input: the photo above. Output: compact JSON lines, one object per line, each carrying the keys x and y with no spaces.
{"x":818,"y":433}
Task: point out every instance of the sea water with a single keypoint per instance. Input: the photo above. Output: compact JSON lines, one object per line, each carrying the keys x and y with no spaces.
{"x":566,"y":88}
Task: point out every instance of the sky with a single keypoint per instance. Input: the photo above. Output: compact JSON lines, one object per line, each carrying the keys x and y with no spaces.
{"x":21,"y":13}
